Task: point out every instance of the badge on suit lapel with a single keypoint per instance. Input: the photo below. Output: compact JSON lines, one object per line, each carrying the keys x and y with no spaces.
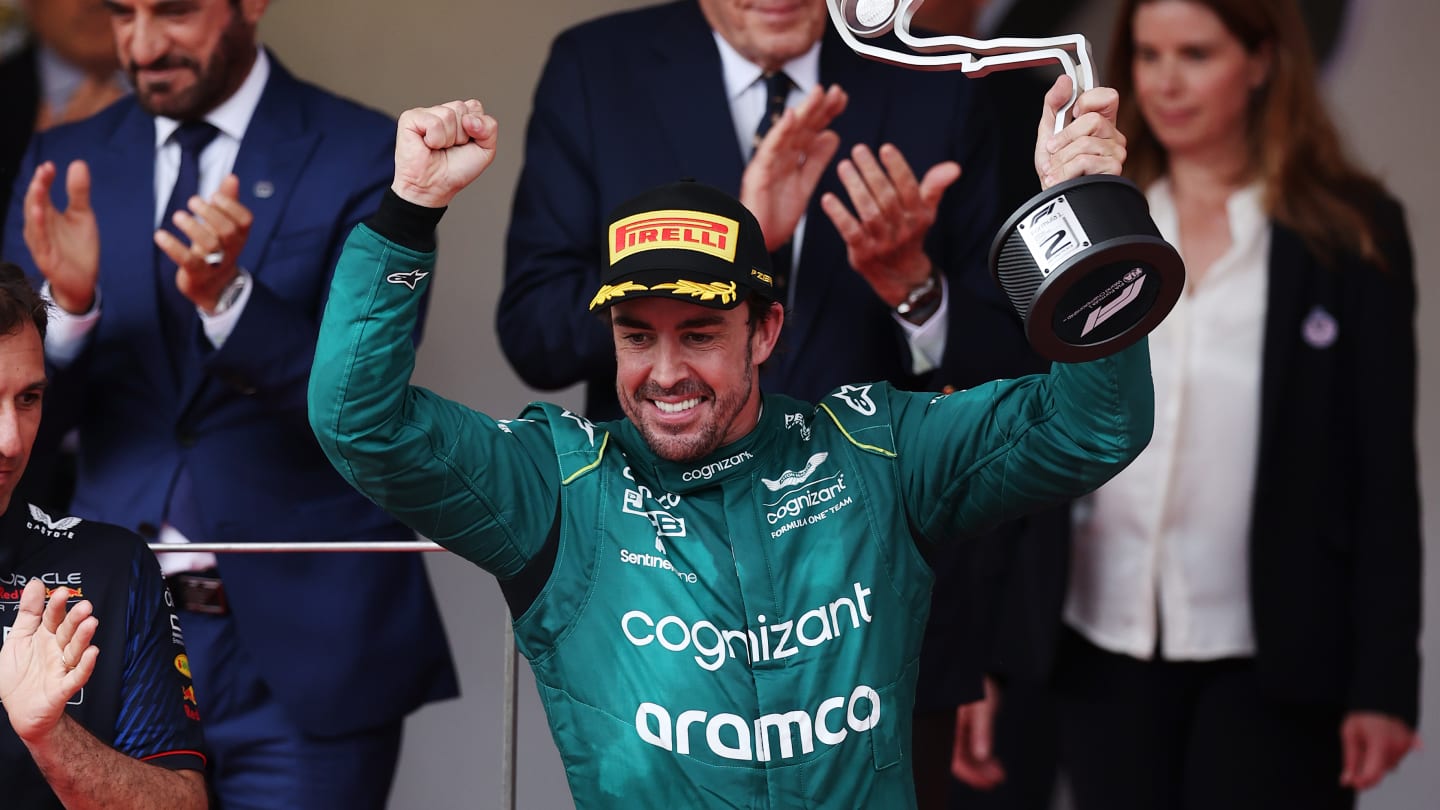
{"x":1320,"y":329}
{"x":264,"y":190}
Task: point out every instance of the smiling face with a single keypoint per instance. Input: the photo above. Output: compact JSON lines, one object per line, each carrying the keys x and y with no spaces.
{"x":185,"y":57}
{"x":1193,"y":77}
{"x":686,"y":373}
{"x":22,"y":383}
{"x":768,"y":32}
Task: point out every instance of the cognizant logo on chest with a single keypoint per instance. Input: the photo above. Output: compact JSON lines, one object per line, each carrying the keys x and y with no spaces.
{"x":712,"y":646}
{"x":826,"y":496}
{"x":708,"y":471}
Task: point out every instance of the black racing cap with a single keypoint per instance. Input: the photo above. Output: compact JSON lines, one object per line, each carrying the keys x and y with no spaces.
{"x":688,"y":241}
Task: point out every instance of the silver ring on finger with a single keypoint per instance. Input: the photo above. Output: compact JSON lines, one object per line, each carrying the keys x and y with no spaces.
{"x":215,"y":258}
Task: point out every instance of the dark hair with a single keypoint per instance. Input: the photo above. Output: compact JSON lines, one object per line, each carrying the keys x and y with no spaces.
{"x":1310,"y":185}
{"x":19,"y":302}
{"x":759,"y":309}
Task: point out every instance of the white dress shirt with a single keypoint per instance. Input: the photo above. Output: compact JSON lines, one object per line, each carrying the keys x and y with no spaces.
{"x":1161,"y":552}
{"x":66,"y":334}
{"x":745,"y":87}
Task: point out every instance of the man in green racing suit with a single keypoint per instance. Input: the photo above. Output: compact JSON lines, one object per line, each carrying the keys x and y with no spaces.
{"x":721,"y":595}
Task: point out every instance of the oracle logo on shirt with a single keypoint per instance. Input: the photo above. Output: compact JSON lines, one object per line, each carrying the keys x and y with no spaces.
{"x":50,"y":579}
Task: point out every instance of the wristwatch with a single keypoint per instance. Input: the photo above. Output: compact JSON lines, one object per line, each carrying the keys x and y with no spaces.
{"x":921,"y":302}
{"x":231,"y":293}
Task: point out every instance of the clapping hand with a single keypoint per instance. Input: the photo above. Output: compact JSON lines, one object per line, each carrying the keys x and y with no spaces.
{"x":217,"y":229}
{"x":64,"y":244}
{"x":789,"y":162}
{"x":47,"y":657}
{"x":885,"y":236}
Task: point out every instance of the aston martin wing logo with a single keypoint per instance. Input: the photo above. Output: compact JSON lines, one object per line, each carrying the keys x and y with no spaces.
{"x":790,"y":478}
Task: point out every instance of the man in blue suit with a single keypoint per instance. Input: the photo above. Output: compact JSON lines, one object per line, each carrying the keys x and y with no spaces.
{"x":886,"y":279}
{"x":182,"y":356}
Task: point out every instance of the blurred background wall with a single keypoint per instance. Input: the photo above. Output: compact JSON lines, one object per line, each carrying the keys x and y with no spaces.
{"x":398,"y":55}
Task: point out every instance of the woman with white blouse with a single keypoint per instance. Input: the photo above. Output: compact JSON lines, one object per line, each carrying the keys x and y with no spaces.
{"x":1243,"y":605}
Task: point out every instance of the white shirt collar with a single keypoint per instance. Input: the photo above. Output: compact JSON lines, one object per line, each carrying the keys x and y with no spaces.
{"x":740,"y":73}
{"x":1244,"y":209}
{"x":232,"y":116}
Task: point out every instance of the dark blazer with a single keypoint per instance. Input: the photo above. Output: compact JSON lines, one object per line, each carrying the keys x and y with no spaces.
{"x":1335,"y":526}
{"x":345,"y":641}
{"x":638,"y":99}
{"x":1335,"y":573}
{"x":20,"y":89}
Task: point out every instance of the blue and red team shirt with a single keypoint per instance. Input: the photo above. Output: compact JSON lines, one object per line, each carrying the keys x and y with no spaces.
{"x":140,"y":699}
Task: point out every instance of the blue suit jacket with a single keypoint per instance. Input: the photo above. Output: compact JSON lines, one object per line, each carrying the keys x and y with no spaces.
{"x":638,"y":99}
{"x":345,"y":641}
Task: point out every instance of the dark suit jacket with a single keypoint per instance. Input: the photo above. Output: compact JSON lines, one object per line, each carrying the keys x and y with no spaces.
{"x":1335,"y":573}
{"x":20,"y":90}
{"x":637,"y":99}
{"x":346,"y":641}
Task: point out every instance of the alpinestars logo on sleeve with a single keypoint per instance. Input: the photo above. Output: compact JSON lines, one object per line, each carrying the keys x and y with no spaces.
{"x":409,"y":279}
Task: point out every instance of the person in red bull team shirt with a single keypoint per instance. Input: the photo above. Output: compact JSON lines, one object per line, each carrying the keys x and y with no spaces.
{"x":94,"y":679}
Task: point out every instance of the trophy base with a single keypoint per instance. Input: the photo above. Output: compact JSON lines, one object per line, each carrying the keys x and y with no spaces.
{"x":1085,"y":267}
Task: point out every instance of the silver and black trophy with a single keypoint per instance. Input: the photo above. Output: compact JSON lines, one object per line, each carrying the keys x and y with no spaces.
{"x":1082,"y":262}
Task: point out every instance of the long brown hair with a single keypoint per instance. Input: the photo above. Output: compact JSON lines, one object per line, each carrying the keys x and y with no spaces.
{"x":1310,"y":185}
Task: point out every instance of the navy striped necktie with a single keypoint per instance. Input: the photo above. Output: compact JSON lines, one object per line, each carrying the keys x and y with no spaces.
{"x":777,"y":92}
{"x":178,"y":312}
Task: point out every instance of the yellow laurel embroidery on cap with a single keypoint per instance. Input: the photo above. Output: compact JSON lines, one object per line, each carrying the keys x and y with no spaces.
{"x":708,"y":291}
{"x":608,"y":292}
{"x":674,"y":229}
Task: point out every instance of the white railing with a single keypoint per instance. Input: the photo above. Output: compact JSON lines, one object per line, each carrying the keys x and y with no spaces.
{"x":511,"y":689}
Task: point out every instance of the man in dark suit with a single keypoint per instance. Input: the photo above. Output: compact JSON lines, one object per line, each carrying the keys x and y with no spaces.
{"x":891,"y":286}
{"x":186,"y":356}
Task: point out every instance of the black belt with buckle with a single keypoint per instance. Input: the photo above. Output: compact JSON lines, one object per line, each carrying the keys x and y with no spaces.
{"x":199,"y":592}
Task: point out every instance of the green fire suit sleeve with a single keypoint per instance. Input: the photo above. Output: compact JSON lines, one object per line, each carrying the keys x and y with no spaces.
{"x":978,"y":457}
{"x":483,"y":488}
